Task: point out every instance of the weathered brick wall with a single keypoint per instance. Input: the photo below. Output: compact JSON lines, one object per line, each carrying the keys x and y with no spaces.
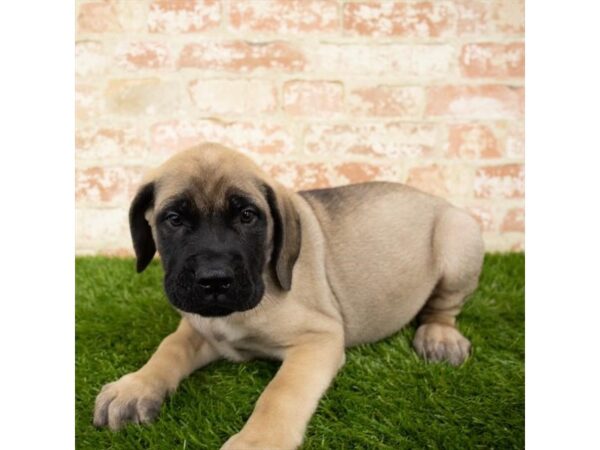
{"x":320,"y":92}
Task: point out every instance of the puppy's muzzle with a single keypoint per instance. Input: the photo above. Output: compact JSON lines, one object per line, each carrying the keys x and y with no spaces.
{"x":213,"y":284}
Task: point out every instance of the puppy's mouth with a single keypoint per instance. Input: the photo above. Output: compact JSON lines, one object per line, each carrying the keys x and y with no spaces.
{"x":189,"y":295}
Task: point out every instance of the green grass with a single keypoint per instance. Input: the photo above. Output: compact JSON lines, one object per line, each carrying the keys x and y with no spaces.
{"x":384,"y":397}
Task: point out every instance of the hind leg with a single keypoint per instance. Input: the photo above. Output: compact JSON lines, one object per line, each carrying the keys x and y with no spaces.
{"x":459,"y":252}
{"x":437,"y":338}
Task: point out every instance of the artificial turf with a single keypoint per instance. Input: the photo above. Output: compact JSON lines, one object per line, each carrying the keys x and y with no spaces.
{"x":384,"y":397}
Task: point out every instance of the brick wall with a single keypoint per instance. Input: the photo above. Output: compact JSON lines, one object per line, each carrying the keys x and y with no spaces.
{"x":320,"y":92}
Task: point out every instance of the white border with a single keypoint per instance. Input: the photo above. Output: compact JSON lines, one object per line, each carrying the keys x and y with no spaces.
{"x":563,"y":225}
{"x":37,"y":224}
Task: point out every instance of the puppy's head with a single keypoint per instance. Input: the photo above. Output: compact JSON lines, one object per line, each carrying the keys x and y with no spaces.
{"x":219,"y":224}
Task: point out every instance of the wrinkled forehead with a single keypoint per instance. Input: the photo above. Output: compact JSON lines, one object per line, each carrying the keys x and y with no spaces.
{"x":209,"y":189}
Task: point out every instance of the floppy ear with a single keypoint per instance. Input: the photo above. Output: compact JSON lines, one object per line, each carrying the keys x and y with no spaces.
{"x":286,"y":237}
{"x":141,"y":233}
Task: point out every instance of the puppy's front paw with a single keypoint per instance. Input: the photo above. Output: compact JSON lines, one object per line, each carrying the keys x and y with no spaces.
{"x":129,"y":399}
{"x":269,"y":440}
{"x":439,"y":342}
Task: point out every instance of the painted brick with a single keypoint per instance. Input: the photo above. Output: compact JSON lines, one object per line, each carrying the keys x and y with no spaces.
{"x":493,"y":60}
{"x":394,"y":140}
{"x":148,"y":96}
{"x":315,"y":98}
{"x":355,"y":172}
{"x":255,"y":139}
{"x":504,"y":242}
{"x":90,"y":59}
{"x":134,"y":56}
{"x":101,"y":143}
{"x":440,"y":180}
{"x":106,"y":186}
{"x":483,"y":102}
{"x":399,"y":19}
{"x":484,"y":216}
{"x":112,"y":16}
{"x":515,"y":140}
{"x":315,"y":175}
{"x":283,"y":16}
{"x":97,"y":17}
{"x":184,"y":16}
{"x":299,"y":176}
{"x":89,"y":103}
{"x":514,"y":220}
{"x":382,"y":101}
{"x":398,"y":60}
{"x":239,"y":56}
{"x":218,"y":96}
{"x":485,"y":18}
{"x":101,"y":229}
{"x":320,"y":93}
{"x":519,"y":246}
{"x":118,"y":252}
{"x":502,"y":181}
{"x":509,"y":16}
{"x":472,"y":141}
{"x":474,"y":18}
{"x":132,"y":15}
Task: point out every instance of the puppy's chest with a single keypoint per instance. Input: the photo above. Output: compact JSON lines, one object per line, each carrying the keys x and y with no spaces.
{"x":233,"y":341}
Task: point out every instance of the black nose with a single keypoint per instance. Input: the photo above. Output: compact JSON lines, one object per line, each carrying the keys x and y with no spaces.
{"x":215,"y":280}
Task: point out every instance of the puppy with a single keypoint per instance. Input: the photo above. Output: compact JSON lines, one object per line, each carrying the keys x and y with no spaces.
{"x":258,"y":271}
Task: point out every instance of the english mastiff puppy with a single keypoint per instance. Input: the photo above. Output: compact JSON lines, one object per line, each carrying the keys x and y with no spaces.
{"x":257,"y":271}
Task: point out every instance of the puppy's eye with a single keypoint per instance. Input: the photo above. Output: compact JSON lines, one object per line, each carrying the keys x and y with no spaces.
{"x":247,"y":216}
{"x":174,"y":219}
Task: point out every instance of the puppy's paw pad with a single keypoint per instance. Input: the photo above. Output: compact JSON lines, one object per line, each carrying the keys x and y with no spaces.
{"x":127,"y":400}
{"x":437,"y":342}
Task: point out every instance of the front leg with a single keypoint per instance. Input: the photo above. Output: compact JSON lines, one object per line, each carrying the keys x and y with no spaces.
{"x":283,"y":410}
{"x":137,"y":396}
